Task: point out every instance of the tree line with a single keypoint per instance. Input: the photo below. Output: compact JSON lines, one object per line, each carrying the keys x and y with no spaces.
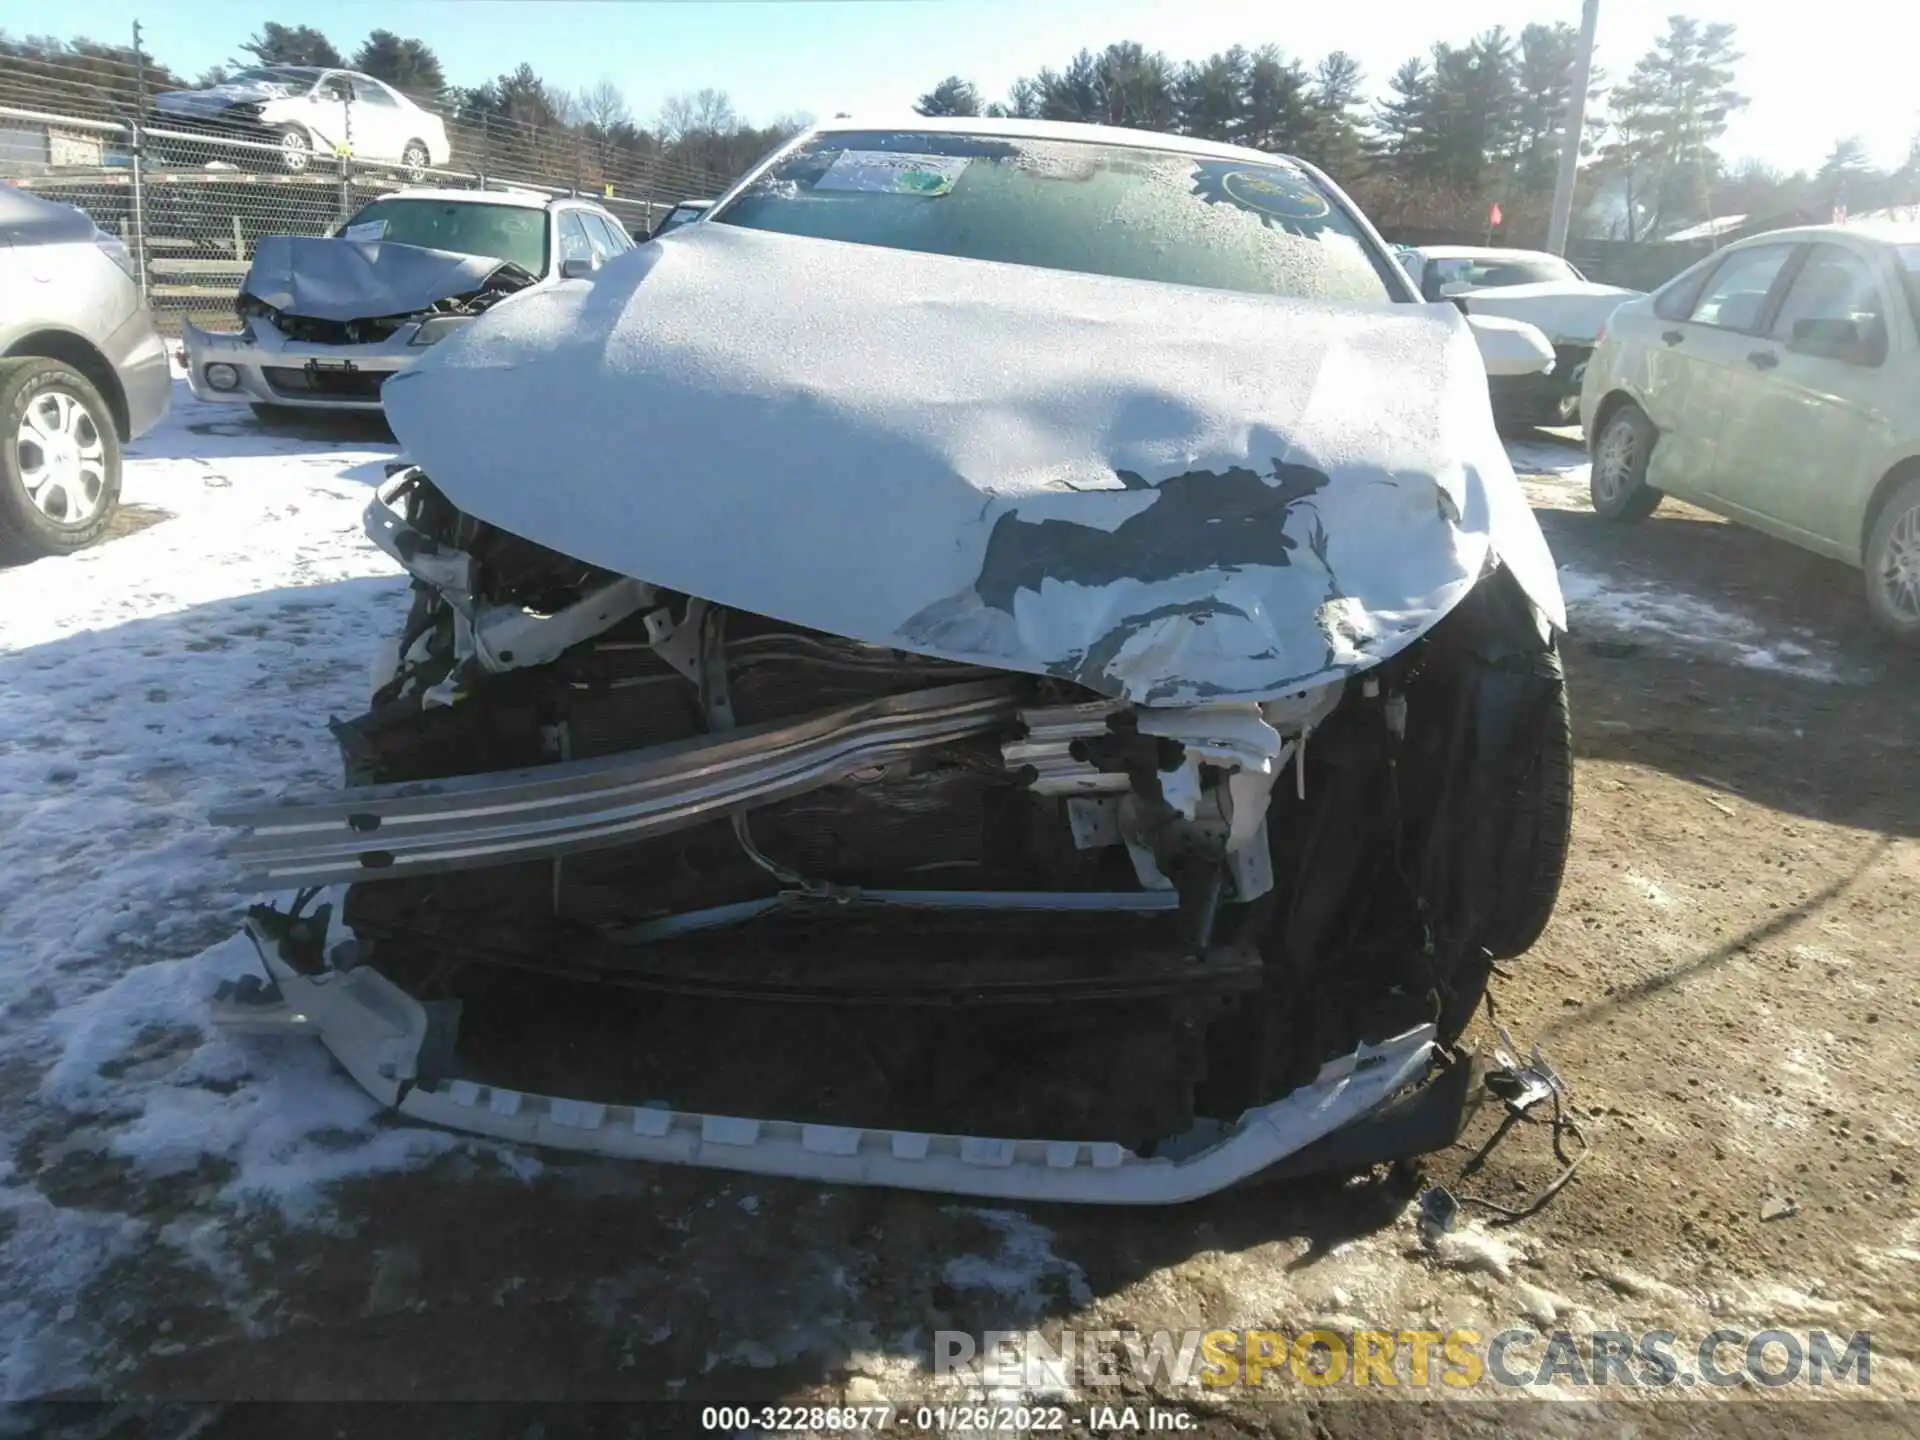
{"x":1464,"y":127}
{"x":1454,"y":131}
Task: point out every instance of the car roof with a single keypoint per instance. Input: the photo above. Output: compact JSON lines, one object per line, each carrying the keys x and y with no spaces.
{"x":522,"y":199}
{"x":1481,"y":252}
{"x":1883,"y":232}
{"x":1050,"y":130}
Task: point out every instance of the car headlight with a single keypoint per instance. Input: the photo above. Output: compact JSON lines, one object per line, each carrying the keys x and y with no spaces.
{"x":436,"y":328}
{"x":221,"y":377}
{"x":114,"y":250}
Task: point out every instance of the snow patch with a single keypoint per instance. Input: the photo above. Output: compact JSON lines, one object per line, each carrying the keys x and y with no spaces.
{"x":1023,"y":1269}
{"x":142,"y":682}
{"x":1686,"y":622}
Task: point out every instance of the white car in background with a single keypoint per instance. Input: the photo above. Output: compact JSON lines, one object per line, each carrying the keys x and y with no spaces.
{"x":1533,"y":286}
{"x":325,"y":322}
{"x":1777,"y":383}
{"x":308,"y":110}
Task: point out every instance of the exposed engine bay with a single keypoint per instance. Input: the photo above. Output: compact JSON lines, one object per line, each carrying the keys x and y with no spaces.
{"x":933,"y":894}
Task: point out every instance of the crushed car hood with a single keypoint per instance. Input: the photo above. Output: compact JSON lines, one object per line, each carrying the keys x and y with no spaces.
{"x":1570,"y":312}
{"x":1164,"y":493}
{"x":336,"y":279}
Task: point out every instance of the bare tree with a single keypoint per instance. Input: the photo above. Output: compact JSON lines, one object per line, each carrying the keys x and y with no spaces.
{"x":697,"y":112}
{"x":604,"y":107}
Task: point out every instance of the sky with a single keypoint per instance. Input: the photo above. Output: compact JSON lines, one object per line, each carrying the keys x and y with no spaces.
{"x":1814,"y":73}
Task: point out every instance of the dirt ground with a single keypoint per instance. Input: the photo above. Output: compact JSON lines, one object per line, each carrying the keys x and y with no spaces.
{"x":1730,"y":986}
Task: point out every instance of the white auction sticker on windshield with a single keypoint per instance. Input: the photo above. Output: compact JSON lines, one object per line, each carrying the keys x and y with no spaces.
{"x":371,"y":230}
{"x":889,"y":172}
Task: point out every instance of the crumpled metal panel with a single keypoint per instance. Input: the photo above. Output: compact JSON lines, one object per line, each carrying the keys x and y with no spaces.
{"x":1164,"y":493}
{"x":332,"y":279}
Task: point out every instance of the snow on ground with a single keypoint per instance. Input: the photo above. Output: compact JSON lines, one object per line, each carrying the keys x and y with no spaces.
{"x":186,"y":665}
{"x":1687,"y":622}
{"x":142,"y":682}
{"x":1548,"y":453}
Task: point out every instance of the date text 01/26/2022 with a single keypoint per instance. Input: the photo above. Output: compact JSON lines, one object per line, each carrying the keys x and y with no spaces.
{"x":942,"y":1419}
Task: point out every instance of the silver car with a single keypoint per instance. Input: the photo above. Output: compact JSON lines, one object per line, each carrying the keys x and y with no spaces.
{"x":83,"y":372}
{"x":325,"y":322}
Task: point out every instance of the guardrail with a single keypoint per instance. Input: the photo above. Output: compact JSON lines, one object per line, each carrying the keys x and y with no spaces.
{"x":191,"y":204}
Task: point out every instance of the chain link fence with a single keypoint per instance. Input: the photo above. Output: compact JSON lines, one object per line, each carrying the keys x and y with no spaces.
{"x":192,"y":200}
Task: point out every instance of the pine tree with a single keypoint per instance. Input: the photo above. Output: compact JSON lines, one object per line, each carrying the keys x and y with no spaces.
{"x":277,"y":44}
{"x":952,"y":96}
{"x":1279,"y":114}
{"x":1666,"y":117}
{"x":407,"y":65}
{"x":1211,"y":95}
{"x":1338,"y":145}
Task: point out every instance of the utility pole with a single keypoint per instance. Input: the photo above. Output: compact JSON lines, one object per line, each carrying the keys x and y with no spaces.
{"x":136,"y":133}
{"x":1562,"y":219}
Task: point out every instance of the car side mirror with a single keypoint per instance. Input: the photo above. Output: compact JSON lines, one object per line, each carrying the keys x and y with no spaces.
{"x":1844,"y":340}
{"x":1511,"y":347}
{"x":575,"y":269}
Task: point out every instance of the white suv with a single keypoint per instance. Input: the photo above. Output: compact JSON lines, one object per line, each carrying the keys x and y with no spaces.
{"x":305,"y":109}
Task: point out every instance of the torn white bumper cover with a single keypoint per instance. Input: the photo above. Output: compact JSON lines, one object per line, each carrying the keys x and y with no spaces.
{"x":378,"y":1033}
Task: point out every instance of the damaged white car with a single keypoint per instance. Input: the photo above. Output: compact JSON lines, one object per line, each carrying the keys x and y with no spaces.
{"x":325,"y":322}
{"x":1009,"y":660}
{"x":1540,"y":289}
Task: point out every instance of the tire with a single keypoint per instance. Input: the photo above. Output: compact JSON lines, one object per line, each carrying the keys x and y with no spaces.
{"x":296,"y":150}
{"x":414,"y":160}
{"x":1536,"y":832}
{"x":59,"y":459}
{"x":1618,"y":480}
{"x":1892,"y":564}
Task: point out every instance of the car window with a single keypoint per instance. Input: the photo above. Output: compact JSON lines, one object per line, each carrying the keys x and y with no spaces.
{"x":574,"y":244}
{"x":604,"y":245}
{"x":290,"y":79}
{"x":1486,"y":273}
{"x":504,"y":232}
{"x":1676,"y":299}
{"x":1833,"y":284}
{"x":1105,"y":209}
{"x":1737,"y":293}
{"x":335,"y":87}
{"x":372,"y":92}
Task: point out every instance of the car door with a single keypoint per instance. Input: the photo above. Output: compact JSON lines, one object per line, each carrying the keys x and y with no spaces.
{"x":377,"y":120}
{"x":327,"y":110}
{"x":1691,"y":363}
{"x":1806,"y":409}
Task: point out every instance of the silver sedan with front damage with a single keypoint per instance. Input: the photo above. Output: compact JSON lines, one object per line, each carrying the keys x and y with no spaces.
{"x":1019,"y":640}
{"x":325,"y":322}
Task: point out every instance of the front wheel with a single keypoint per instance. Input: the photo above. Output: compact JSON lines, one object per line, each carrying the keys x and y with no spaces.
{"x":296,"y":150}
{"x":59,"y":459}
{"x":1618,"y":482}
{"x":414,"y":161}
{"x":1893,"y":564}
